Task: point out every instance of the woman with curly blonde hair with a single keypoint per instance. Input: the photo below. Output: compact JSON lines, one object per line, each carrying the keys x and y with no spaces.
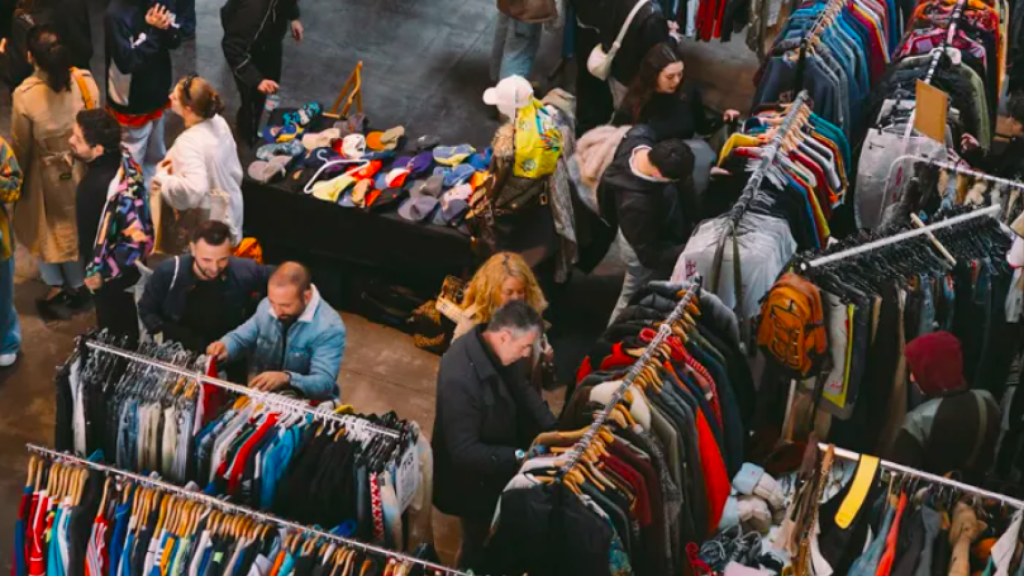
{"x":503,"y":278}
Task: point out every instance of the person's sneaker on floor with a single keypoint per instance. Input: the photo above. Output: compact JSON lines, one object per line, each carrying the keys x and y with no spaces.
{"x":8,"y":360}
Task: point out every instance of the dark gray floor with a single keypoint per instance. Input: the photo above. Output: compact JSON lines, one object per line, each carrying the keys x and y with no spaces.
{"x":426,"y":66}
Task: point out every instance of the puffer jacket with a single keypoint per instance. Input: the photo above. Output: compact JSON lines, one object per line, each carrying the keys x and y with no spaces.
{"x":649,"y":214}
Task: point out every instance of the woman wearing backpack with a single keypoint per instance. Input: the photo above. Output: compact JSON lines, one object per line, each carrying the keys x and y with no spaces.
{"x":43,"y":119}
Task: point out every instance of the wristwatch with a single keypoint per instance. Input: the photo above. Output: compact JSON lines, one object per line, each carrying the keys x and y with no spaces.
{"x":520,"y":455}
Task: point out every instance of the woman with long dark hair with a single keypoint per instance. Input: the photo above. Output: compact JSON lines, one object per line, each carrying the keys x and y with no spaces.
{"x":42,"y":122}
{"x":659,"y":98}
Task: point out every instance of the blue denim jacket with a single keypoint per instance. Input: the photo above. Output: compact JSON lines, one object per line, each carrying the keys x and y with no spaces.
{"x":316,"y":342}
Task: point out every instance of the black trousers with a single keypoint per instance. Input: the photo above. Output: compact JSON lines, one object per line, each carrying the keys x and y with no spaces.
{"x":267,"y":59}
{"x":116,"y":311}
{"x":474,"y":536}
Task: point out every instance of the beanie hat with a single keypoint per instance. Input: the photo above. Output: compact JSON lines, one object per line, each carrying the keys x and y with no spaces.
{"x":937,"y":363}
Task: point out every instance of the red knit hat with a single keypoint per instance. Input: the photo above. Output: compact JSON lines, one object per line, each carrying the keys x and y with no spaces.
{"x":937,"y":363}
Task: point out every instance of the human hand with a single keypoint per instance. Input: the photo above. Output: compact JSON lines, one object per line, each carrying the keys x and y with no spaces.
{"x":94,"y":282}
{"x":549,"y":353}
{"x":298,"y":32}
{"x":3,"y":46}
{"x":268,"y":87}
{"x":155,"y":186}
{"x":217,"y":350}
{"x":159,"y":16}
{"x":730,"y":115}
{"x":166,"y":165}
{"x":969,"y":143}
{"x":270,"y":381}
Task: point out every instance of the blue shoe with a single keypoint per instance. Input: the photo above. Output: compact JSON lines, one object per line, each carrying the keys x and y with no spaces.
{"x":303,"y":116}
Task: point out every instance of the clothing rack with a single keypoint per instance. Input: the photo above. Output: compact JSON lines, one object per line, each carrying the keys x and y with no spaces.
{"x":812,"y":34}
{"x":897,"y":238}
{"x":952,"y":168}
{"x":266,"y":397}
{"x":894,"y":467}
{"x":212,"y":502}
{"x":770,"y":153}
{"x":664,"y":331}
{"x":937,"y":53}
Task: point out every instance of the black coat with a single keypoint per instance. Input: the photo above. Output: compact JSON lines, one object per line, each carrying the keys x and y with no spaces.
{"x":70,"y":18}
{"x":484,"y":413}
{"x":648,"y":28}
{"x":650,"y":214}
{"x":249,"y":25}
{"x":142,"y":53}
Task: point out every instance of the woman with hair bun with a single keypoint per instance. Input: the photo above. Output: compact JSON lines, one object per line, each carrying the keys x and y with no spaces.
{"x":201,"y":177}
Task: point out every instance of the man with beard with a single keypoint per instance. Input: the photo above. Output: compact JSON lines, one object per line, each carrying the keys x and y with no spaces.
{"x":195,"y":298}
{"x":295,"y":341}
{"x":96,"y":141}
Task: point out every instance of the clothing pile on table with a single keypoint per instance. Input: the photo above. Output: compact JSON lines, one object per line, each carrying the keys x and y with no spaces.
{"x":969,"y":65}
{"x":345,"y":163}
{"x":875,"y":303}
{"x":661,"y":480}
{"x":839,"y":65}
{"x":364,"y":476}
{"x":93,"y":525}
{"x":790,"y":210}
{"x":852,"y":517}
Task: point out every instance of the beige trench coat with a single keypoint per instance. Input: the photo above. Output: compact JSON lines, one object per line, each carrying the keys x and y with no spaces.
{"x":41,"y":124}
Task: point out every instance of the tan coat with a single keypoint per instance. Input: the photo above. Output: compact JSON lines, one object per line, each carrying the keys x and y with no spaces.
{"x":41,"y":124}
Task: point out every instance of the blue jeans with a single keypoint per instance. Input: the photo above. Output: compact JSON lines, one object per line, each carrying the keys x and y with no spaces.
{"x":146,"y":145}
{"x":515,"y":48}
{"x":10,"y":326}
{"x":69,"y":274}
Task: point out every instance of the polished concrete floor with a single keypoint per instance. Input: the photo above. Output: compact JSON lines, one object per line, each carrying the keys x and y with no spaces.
{"x":425,"y":65}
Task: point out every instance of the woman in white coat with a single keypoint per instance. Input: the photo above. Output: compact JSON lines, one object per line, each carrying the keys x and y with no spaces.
{"x":201,"y":177}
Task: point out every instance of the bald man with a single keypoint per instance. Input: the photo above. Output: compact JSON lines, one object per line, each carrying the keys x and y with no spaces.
{"x":294,"y":342}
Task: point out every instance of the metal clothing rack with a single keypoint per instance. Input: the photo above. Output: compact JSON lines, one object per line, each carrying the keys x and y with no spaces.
{"x":894,"y":467}
{"x":897,"y":238}
{"x":768,"y":157}
{"x":266,"y":397}
{"x":952,"y":168}
{"x":212,"y":502}
{"x":937,"y":53}
{"x":664,"y":331}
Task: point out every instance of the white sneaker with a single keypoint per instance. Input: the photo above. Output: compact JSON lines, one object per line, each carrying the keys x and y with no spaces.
{"x":7,"y":360}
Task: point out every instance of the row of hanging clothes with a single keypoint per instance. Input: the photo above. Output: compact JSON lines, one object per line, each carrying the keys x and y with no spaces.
{"x":78,"y":518}
{"x":878,"y":292}
{"x":838,"y":51}
{"x":638,"y":471}
{"x":366,"y":476}
{"x":854,"y":514}
{"x":785,"y":176}
{"x":957,"y":46}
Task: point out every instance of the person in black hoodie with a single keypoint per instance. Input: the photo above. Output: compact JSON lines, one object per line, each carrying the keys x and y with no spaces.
{"x":647,"y":193}
{"x":69,"y":18}
{"x":487,"y":415}
{"x":599,"y":22}
{"x":254,"y":31}
{"x":139,"y":39}
{"x":96,"y":140}
{"x":1009,"y":163}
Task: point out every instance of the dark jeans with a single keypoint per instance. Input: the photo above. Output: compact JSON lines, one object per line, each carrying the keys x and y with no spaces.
{"x":474,"y":534}
{"x":267,"y":59}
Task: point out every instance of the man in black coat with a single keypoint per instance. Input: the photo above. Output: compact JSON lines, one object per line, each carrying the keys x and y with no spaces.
{"x":254,"y":31}
{"x":487,"y":415}
{"x":96,"y":140}
{"x":197,"y":298}
{"x":647,"y":193}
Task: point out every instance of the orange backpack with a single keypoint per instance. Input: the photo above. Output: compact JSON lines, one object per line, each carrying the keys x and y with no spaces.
{"x":792,"y":329}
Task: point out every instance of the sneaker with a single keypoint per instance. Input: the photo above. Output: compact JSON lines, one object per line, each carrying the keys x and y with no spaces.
{"x":79,"y":299}
{"x":7,"y":360}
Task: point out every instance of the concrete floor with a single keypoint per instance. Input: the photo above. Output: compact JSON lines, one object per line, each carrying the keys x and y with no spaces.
{"x":426,"y":65}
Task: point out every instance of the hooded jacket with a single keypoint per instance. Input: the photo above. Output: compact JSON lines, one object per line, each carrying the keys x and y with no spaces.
{"x":650,"y":214}
{"x":956,"y":429}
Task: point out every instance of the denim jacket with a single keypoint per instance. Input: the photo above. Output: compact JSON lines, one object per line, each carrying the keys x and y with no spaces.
{"x":315,"y":344}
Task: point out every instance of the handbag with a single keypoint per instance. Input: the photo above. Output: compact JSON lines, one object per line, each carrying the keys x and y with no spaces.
{"x":599,"y":63}
{"x":529,"y":11}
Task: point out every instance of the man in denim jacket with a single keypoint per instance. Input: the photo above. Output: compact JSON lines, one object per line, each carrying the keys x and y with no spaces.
{"x":294,"y":341}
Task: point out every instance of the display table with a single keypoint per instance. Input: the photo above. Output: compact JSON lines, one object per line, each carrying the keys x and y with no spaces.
{"x":296,"y":224}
